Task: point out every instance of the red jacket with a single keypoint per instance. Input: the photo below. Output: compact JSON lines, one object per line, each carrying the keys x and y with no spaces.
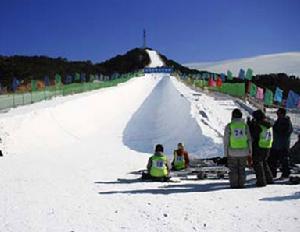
{"x":186,"y":156}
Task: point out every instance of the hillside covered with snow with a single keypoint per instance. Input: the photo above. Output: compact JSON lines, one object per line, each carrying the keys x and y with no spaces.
{"x":288,"y":63}
{"x":70,"y":164}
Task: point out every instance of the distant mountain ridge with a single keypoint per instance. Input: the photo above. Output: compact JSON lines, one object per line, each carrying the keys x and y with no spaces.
{"x":26,"y":68}
{"x":288,"y":63}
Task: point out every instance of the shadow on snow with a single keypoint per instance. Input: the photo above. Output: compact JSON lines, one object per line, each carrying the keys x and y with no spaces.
{"x":295,"y":196}
{"x":171,"y":188}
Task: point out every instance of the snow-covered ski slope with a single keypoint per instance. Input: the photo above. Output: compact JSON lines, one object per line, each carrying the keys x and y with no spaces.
{"x":69,"y":165}
{"x":274,"y":63}
{"x":155,"y":60}
{"x":62,"y":160}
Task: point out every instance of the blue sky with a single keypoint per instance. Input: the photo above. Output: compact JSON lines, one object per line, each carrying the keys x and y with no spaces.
{"x":184,"y":30}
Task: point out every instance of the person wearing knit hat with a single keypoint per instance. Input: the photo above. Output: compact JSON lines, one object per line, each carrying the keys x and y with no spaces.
{"x":262,"y":139}
{"x":237,"y":148}
{"x":181,"y":158}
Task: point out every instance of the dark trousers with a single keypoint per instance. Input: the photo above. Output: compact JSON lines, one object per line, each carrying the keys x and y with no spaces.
{"x":261,"y":167}
{"x":237,"y":173}
{"x":281,"y":157}
{"x":147,"y":176}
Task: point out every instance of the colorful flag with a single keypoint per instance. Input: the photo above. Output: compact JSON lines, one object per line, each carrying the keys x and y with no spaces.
{"x":92,"y":78}
{"x":47,"y":81}
{"x":219,"y":82}
{"x":268,"y":99}
{"x":293,"y":100}
{"x":260,"y":93}
{"x":215,"y":76}
{"x":77,"y":77}
{"x":253,"y":90}
{"x":223,"y":76}
{"x":229,"y":75}
{"x":15,"y":84}
{"x":33,"y":85}
{"x":278,"y":95}
{"x":249,"y":74}
{"x":242,"y":74}
{"x":82,"y":77}
{"x":57,"y":79}
{"x":68,"y":79}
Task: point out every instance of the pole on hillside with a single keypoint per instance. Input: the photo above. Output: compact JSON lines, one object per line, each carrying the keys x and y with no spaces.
{"x":144,"y":38}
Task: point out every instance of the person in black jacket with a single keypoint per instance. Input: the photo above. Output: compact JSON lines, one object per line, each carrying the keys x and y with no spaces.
{"x":261,"y":133}
{"x":282,"y":136}
{"x":294,"y":153}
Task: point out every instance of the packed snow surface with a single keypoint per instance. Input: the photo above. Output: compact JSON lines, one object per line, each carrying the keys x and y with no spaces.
{"x":155,"y":60}
{"x":70,"y":164}
{"x":274,"y":63}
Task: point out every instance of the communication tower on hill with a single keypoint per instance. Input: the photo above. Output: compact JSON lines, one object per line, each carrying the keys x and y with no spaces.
{"x":144,"y":38}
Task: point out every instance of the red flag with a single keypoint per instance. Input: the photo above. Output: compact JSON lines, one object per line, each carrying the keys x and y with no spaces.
{"x":219,"y":82}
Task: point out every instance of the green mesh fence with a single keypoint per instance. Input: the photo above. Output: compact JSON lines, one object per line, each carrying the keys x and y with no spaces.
{"x":200,"y":83}
{"x":233,"y":89}
{"x":18,"y":99}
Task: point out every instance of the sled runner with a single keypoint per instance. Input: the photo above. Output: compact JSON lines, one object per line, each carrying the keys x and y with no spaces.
{"x":294,"y":177}
{"x":213,"y":168}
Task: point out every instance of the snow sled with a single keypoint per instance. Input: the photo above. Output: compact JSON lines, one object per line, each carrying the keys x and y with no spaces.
{"x":213,"y":168}
{"x":294,"y":177}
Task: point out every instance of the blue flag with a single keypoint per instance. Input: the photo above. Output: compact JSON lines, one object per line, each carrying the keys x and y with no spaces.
{"x":82,"y":77}
{"x":242,"y":74}
{"x":278,"y":95}
{"x":68,"y":79}
{"x":15,"y":84}
{"x":223,"y":76}
{"x":47,"y":80}
{"x":293,"y":100}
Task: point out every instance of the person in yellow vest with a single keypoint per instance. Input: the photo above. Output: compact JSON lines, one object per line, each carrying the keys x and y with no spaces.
{"x":262,"y":139}
{"x":158,"y":166}
{"x":181,"y":158}
{"x":237,"y":148}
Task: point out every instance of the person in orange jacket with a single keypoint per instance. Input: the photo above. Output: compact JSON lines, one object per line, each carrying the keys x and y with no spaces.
{"x":181,"y":158}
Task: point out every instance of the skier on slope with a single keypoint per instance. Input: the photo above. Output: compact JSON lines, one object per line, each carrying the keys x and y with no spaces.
{"x":262,"y":138}
{"x":158,"y":166}
{"x":181,"y":158}
{"x":237,"y":148}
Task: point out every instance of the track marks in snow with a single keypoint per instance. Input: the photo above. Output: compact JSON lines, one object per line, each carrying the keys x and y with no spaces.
{"x":165,"y":117}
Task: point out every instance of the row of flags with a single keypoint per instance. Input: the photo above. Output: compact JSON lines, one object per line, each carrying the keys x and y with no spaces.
{"x":243,"y":75}
{"x":268,"y":97}
{"x":68,"y":79}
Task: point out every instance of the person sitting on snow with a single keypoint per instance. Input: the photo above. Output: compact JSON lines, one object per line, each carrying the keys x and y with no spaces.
{"x":158,"y":166}
{"x":294,"y":152}
{"x":181,"y":158}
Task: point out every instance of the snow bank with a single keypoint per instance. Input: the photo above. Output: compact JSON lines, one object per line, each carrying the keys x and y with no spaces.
{"x":155,"y":60}
{"x":165,"y":118}
{"x":274,"y":63}
{"x":66,"y":168}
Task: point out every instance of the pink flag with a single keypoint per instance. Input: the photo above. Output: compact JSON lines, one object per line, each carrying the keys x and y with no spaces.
{"x":260,"y":93}
{"x":213,"y":83}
